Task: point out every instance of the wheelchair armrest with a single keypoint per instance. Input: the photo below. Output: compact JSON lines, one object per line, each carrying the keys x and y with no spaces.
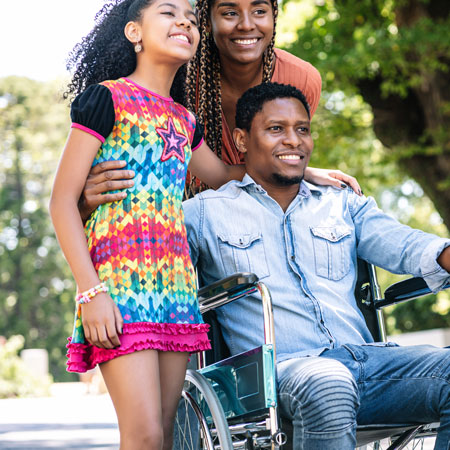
{"x":226,"y":290}
{"x":405,"y":290}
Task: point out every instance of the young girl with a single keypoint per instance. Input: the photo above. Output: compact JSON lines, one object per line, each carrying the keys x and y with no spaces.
{"x":137,"y":314}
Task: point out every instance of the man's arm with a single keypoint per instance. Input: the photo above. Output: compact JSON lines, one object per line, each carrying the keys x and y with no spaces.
{"x":103,"y":178}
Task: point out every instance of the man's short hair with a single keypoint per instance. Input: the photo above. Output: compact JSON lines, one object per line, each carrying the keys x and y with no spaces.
{"x":253,"y":99}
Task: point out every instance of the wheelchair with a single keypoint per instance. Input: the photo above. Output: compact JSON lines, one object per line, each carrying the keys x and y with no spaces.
{"x":230,"y":402}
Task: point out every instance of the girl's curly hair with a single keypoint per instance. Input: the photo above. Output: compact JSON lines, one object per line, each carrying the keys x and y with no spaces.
{"x":105,"y":53}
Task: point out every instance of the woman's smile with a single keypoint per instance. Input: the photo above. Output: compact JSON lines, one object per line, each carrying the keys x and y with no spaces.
{"x":242,"y":29}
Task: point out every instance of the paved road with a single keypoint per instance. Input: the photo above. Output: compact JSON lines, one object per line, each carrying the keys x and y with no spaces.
{"x":70,"y":419}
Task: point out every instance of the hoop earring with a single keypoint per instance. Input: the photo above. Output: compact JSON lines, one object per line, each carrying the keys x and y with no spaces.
{"x":138,"y":47}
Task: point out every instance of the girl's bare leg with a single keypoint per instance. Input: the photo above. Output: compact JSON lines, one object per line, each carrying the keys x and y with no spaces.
{"x":172,"y":369}
{"x":133,"y":382}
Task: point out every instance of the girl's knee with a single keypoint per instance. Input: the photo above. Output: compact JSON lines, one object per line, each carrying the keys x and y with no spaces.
{"x":146,"y":437}
{"x":143,"y":431}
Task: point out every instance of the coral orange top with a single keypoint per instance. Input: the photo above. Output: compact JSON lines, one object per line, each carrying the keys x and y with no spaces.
{"x":289,"y":69}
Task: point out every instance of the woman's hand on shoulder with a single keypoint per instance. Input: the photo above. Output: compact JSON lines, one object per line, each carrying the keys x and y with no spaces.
{"x":104,"y":177}
{"x":336,"y":178}
{"x":102,"y":321}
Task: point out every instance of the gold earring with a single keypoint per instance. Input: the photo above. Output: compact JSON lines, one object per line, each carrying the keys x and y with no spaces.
{"x":138,"y":47}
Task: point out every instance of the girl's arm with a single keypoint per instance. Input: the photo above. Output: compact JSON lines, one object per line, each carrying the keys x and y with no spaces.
{"x":206,"y":166}
{"x":325,"y":177}
{"x":102,"y":321}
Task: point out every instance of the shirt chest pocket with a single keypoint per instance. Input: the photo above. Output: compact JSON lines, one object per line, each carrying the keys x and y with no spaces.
{"x":332,"y":252}
{"x":243,"y":253}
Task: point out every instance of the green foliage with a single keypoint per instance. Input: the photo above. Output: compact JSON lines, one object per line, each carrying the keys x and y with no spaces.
{"x":343,"y":118}
{"x":16,"y":380}
{"x":352,"y":40}
{"x":396,"y":53}
{"x":346,"y":122}
{"x":36,"y":288}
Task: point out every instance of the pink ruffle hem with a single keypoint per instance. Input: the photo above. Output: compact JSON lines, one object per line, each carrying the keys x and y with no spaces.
{"x":171,"y":337}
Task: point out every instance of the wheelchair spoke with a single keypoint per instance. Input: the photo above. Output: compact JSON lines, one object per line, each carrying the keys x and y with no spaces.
{"x":199,"y":412}
{"x":184,"y":436}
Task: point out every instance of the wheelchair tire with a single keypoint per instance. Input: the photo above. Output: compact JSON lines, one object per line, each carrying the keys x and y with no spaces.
{"x":200,"y":423}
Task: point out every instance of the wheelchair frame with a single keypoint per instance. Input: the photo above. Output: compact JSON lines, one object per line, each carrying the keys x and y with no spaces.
{"x":228,"y":423}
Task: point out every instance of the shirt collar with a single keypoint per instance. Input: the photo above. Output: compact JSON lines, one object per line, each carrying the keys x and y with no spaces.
{"x":305,"y":191}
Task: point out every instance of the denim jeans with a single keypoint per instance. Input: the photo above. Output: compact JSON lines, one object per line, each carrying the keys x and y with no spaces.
{"x":326,"y":396}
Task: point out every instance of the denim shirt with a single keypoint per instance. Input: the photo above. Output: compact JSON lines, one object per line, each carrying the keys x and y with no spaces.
{"x":307,"y":258}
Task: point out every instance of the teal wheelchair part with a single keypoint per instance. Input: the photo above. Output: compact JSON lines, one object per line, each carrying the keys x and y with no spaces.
{"x":244,"y":383}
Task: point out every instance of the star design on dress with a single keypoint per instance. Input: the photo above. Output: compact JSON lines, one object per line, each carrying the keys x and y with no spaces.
{"x":174,"y":142}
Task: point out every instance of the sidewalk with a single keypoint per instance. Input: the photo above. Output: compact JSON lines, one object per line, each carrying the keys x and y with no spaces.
{"x":69,"y":419}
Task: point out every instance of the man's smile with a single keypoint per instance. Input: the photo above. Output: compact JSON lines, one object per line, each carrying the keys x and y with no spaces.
{"x":291,"y":157}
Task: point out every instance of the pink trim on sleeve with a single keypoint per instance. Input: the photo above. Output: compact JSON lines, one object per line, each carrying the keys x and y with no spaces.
{"x":199,"y":144}
{"x":89,"y":131}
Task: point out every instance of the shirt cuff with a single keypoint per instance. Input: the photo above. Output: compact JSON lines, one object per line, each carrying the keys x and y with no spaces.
{"x":433,"y":274}
{"x":198,"y":145}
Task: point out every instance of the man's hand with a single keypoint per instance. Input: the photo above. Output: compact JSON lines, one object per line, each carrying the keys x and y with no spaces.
{"x":444,"y":259}
{"x":102,"y":178}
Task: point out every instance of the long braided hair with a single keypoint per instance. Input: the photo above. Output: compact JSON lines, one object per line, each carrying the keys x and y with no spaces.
{"x":202,"y":88}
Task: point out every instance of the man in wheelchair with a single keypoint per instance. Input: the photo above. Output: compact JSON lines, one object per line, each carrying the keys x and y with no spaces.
{"x":303,"y":241}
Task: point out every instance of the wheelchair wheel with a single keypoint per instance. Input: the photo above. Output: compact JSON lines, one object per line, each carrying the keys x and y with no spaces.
{"x":200,"y":422}
{"x":415,"y":444}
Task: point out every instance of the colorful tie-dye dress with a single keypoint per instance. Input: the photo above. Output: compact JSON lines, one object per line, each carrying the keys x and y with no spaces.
{"x":139,"y":245}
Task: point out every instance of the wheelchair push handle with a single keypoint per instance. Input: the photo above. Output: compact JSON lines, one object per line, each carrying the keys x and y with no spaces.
{"x":226,"y":290}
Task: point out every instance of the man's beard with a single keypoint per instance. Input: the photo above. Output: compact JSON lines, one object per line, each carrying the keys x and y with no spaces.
{"x":287,"y":181}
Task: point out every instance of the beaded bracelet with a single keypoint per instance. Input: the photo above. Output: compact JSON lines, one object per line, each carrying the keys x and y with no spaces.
{"x":87,"y":296}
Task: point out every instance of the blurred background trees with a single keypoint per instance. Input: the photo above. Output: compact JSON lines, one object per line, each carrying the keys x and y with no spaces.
{"x":36,"y":288}
{"x":383,"y":117}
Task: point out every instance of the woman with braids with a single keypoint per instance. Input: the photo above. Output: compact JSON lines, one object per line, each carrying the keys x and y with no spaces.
{"x":137,"y":314}
{"x":236,"y":52}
